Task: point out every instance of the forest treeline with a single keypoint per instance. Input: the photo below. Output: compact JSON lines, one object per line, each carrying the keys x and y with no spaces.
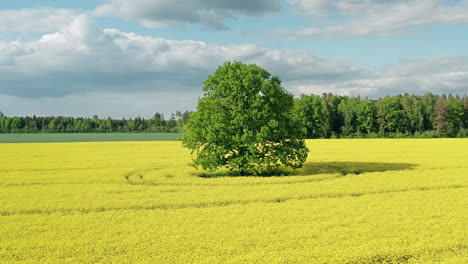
{"x":333,"y":116}
{"x":60,"y":124}
{"x":322,"y":116}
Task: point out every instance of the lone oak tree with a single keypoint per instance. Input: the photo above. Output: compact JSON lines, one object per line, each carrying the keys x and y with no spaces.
{"x":244,"y":122}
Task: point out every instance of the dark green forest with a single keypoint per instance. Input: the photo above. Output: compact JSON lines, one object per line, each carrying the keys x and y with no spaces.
{"x":427,"y":116}
{"x":61,"y":124}
{"x":325,"y":116}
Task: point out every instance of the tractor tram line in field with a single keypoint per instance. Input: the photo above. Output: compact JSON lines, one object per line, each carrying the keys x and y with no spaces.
{"x":223,"y":203}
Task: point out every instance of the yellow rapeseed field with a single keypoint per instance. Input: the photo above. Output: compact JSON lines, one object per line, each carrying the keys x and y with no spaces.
{"x":355,"y":201}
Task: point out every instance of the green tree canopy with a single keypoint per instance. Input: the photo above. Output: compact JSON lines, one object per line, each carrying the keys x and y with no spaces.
{"x":244,"y":123}
{"x":454,"y":115}
{"x":312,"y":114}
{"x":366,"y":117}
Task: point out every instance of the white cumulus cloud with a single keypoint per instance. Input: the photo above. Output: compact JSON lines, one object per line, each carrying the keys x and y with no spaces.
{"x":163,"y":13}
{"x":351,"y":18}
{"x":39,"y":20}
{"x":84,"y":61}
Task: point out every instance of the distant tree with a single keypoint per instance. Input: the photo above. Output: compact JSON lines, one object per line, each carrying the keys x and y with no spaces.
{"x":52,"y":126}
{"x":244,"y":122}
{"x":440,"y":115}
{"x":335,"y":119}
{"x":347,"y":109}
{"x":86,"y":125}
{"x":131,"y":124}
{"x":109,"y":125}
{"x":1,"y":114}
{"x":366,"y":117}
{"x":309,"y":110}
{"x":172,"y":123}
{"x":7,"y":124}
{"x":185,"y":117}
{"x":393,"y":114}
{"x":381,"y":122}
{"x":428,"y":102}
{"x":158,"y":119}
{"x":454,"y":115}
{"x":326,"y":120}
{"x":465,"y":112}
{"x":413,"y":112}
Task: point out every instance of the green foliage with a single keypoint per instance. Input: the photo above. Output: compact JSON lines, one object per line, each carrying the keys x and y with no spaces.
{"x":394,"y":116}
{"x":366,"y":117}
{"x":413,"y":111}
{"x":243,"y":122}
{"x":428,"y":102}
{"x":465,"y":112}
{"x":440,"y":115}
{"x":85,"y":137}
{"x":462,"y":133}
{"x":310,"y":111}
{"x":325,"y":116}
{"x":61,"y":124}
{"x":330,"y":105}
{"x":347,"y":109}
{"x":455,"y":115}
{"x":401,"y":116}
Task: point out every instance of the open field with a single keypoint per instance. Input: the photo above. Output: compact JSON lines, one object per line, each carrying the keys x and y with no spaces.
{"x":355,"y":201}
{"x":86,"y":137}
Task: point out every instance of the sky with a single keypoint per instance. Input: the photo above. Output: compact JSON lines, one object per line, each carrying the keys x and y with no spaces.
{"x":128,"y":58}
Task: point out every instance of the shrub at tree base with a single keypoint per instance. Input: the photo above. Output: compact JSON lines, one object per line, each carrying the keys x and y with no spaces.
{"x":243,"y":122}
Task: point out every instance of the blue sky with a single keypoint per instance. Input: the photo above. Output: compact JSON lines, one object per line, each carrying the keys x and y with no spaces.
{"x":89,"y":57}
